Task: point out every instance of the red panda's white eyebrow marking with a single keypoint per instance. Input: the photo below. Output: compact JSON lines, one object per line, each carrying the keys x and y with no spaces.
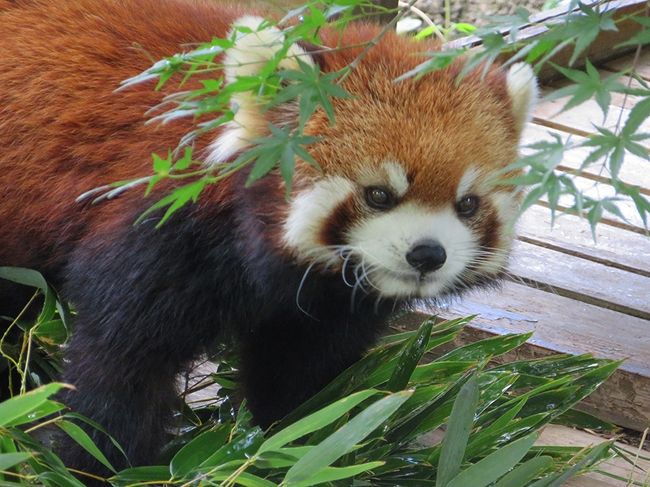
{"x":396,"y":177}
{"x":467,"y":182}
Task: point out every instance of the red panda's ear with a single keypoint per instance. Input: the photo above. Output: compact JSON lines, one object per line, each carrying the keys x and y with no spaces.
{"x":523,"y":91}
{"x":256,"y":42}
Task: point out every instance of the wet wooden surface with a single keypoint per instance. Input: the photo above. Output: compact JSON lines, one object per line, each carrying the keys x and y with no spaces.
{"x":618,"y":471}
{"x":577,"y":295}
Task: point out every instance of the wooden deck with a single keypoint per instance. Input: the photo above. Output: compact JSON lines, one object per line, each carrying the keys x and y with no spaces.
{"x":578,"y":295}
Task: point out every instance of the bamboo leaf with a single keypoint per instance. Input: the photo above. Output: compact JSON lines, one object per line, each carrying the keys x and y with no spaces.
{"x":316,"y":420}
{"x":344,"y":440}
{"x":82,"y":438}
{"x":457,"y":434}
{"x":410,"y":357}
{"x":495,"y":465}
{"x":526,"y":472}
{"x":21,"y":406}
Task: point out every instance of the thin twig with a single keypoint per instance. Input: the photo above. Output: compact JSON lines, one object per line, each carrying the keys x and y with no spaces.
{"x":636,"y":458}
{"x":635,"y":65}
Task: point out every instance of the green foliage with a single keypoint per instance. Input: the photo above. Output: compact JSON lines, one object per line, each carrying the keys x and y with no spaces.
{"x":610,"y":146}
{"x":284,"y":147}
{"x":370,"y":424}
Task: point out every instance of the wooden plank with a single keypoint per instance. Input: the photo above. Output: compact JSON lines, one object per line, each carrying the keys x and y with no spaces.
{"x":624,"y":399}
{"x":622,"y":63}
{"x":635,"y":170}
{"x":582,"y":279}
{"x":631,"y":219}
{"x":572,"y":235}
{"x":564,"y":325}
{"x":556,"y":435}
{"x":604,"y":47}
{"x":580,"y":120}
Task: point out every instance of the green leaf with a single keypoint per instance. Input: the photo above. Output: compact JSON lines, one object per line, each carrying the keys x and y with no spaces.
{"x":332,"y":474}
{"x":136,"y":475}
{"x":161,"y":165}
{"x":82,"y":438}
{"x":637,"y":116}
{"x":532,"y":197}
{"x":353,"y":377}
{"x":47,"y":408}
{"x":52,"y":332}
{"x":495,"y":465}
{"x":437,"y":60}
{"x":439,"y":370}
{"x":8,"y":460}
{"x":241,"y":447}
{"x":316,"y":420}
{"x":32,"y":278}
{"x":21,"y":406}
{"x":587,"y":84}
{"x":344,"y":440}
{"x":526,"y":472}
{"x":57,"y":479}
{"x":98,"y":427}
{"x":196,"y":451}
{"x":484,"y":349}
{"x":580,"y":419}
{"x":596,"y":454}
{"x":243,"y":478}
{"x":410,"y":357}
{"x":641,"y":37}
{"x":458,"y":431}
{"x":178,"y":198}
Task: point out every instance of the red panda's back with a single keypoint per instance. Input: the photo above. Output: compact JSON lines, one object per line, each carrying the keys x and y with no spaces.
{"x":63,"y":129}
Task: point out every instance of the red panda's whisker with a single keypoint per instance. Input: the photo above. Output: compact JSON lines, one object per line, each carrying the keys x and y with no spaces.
{"x":300,"y":286}
{"x":346,"y":261}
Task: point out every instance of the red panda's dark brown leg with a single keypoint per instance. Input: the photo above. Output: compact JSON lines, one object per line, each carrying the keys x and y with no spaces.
{"x":132,"y":401}
{"x":287,"y":360}
{"x":148,"y":302}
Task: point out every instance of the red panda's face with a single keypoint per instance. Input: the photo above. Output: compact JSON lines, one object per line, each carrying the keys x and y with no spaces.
{"x":407,"y":204}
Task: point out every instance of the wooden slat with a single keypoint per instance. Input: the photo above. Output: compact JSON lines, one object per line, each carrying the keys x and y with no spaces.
{"x":582,"y":279}
{"x":623,"y":63}
{"x":572,"y":235}
{"x":635,"y":170}
{"x":597,"y":190}
{"x":564,"y":325}
{"x":556,"y":435}
{"x":603,"y":48}
{"x":580,"y":120}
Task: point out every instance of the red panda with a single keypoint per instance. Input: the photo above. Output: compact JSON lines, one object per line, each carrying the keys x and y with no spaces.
{"x":403,"y":207}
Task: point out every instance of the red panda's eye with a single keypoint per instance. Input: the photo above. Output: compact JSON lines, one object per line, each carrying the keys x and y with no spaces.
{"x":467,"y":206}
{"x":379,"y":198}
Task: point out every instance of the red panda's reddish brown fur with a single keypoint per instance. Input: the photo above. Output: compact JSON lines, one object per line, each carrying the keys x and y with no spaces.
{"x":240,"y":265}
{"x":63,"y":129}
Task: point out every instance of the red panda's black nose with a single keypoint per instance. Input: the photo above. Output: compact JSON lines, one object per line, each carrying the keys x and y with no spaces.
{"x":427,"y":256}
